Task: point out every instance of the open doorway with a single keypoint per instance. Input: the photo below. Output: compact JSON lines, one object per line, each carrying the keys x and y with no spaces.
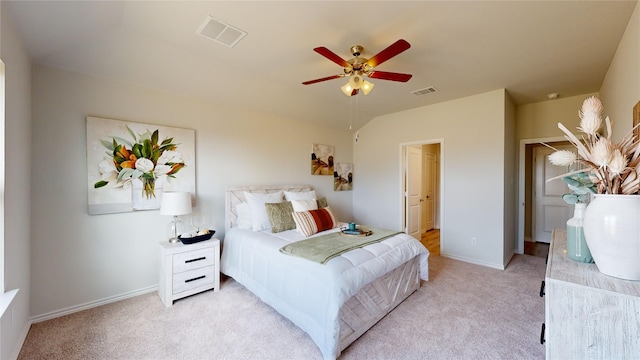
{"x":542,"y":208}
{"x":421,"y":192}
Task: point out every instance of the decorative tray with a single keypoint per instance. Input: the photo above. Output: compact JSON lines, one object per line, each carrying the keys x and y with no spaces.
{"x":357,"y":232}
{"x":195,"y":239}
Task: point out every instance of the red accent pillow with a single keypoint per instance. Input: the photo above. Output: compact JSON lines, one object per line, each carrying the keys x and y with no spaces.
{"x":314,"y":221}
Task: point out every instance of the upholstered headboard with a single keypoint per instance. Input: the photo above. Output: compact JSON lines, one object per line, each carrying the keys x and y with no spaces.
{"x":235,"y":196}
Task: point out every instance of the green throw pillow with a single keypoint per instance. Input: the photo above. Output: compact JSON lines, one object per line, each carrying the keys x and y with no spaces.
{"x":322,"y":202}
{"x":280,"y":216}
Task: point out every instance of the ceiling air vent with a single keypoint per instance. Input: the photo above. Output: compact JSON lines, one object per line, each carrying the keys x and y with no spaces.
{"x":220,"y":32}
{"x":427,"y":90}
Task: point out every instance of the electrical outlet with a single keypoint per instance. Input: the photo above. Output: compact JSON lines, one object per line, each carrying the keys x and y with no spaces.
{"x":474,"y":241}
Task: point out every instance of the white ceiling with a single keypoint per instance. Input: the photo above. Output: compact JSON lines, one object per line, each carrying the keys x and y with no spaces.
{"x":531,"y":48}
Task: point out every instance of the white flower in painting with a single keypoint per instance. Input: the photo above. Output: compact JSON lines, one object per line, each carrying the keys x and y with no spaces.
{"x":563,"y":158}
{"x":170,"y":157}
{"x":145,"y":165}
{"x":161,"y":169}
{"x":107,"y":170}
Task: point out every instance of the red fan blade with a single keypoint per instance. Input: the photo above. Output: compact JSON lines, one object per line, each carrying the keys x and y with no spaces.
{"x":385,"y":75}
{"x":355,"y":92}
{"x":322,"y":79}
{"x":386,"y":54}
{"x":331,"y":56}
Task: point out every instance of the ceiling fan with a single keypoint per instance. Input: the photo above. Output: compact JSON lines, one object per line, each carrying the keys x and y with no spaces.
{"x":358,"y":66}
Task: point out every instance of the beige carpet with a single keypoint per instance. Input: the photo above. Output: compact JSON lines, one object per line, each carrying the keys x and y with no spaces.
{"x":464,"y":312}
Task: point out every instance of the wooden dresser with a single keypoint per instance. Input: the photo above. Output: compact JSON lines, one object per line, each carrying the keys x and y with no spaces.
{"x":588,"y":315}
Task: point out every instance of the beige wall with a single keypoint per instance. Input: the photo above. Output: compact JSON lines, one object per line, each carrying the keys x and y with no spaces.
{"x":79,"y":259}
{"x":102,"y":261}
{"x":473,"y":152}
{"x":16,"y":191}
{"x":540,"y":120}
{"x":510,"y":245}
{"x":620,"y":89}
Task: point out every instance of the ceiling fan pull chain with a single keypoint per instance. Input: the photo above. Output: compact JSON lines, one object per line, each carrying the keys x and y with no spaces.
{"x":357,"y":101}
{"x":350,"y":112}
{"x":355,"y":139}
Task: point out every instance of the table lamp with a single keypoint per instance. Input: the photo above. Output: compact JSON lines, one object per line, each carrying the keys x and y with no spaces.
{"x":175,"y":203}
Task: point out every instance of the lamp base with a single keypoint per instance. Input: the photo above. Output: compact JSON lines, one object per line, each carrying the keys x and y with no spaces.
{"x":175,"y":228}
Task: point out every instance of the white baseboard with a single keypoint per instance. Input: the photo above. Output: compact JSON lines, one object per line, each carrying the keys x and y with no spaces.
{"x":92,"y":304}
{"x":473,"y":261}
{"x":21,"y":340}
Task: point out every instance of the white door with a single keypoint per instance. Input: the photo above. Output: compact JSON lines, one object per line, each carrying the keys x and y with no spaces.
{"x":429,"y":203}
{"x":414,"y":191}
{"x":550,"y":211}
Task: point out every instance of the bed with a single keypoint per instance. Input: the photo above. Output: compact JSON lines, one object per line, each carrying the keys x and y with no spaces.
{"x":335,"y":302}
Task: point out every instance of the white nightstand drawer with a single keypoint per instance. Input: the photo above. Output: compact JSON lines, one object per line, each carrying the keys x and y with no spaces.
{"x":192,"y":260}
{"x":192,"y":279}
{"x":188,"y":269}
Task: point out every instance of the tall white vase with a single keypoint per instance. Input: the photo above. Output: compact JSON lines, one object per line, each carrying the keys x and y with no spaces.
{"x":612,"y":230}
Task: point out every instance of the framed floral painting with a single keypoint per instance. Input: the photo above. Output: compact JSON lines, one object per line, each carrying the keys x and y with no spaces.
{"x":130,"y":164}
{"x":322,"y":159}
{"x":343,"y":177}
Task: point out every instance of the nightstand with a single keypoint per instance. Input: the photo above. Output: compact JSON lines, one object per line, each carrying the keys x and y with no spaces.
{"x":188,"y":269}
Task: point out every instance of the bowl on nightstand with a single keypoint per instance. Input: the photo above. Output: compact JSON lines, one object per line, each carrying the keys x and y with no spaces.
{"x":197,"y":238}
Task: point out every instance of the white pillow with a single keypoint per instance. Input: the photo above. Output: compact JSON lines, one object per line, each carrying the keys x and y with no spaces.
{"x":244,"y":216}
{"x":300,"y":195}
{"x":304,"y":205}
{"x":256,"y":201}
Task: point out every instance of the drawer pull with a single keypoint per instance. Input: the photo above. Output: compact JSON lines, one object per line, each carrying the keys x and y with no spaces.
{"x":195,"y":278}
{"x":196,"y":259}
{"x":542,"y":335}
{"x":542,"y":289}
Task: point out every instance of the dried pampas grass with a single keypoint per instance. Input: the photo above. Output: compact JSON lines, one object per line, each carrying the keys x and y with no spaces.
{"x":612,"y":167}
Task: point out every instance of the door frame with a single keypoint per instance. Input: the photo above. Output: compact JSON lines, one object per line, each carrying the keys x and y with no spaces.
{"x":414,"y":181}
{"x":521,"y":189}
{"x":440,"y":187}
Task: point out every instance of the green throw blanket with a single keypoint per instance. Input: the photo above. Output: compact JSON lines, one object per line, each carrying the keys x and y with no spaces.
{"x":323,"y":248}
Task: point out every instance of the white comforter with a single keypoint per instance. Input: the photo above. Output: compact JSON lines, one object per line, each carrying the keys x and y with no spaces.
{"x":307,"y":293}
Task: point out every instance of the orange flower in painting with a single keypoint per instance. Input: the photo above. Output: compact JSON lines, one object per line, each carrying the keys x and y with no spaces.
{"x":129,"y":164}
{"x":175,"y":168}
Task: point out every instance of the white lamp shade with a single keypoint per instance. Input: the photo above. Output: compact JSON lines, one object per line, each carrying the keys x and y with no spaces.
{"x":366,"y":87}
{"x":175,"y":203}
{"x":347,"y":89}
{"x":355,"y":81}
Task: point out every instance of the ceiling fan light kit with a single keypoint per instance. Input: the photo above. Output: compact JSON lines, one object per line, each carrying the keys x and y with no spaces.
{"x":356,"y":82}
{"x":367,"y":87}
{"x":356,"y":67}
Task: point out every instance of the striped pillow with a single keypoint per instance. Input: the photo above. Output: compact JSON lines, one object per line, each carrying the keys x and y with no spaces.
{"x":314,"y":221}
